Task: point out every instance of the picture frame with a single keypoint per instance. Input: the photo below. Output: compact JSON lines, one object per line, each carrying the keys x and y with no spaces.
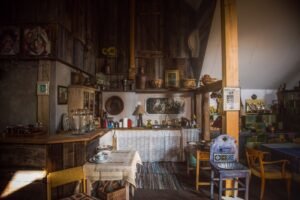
{"x":231,"y":99}
{"x":169,"y":105}
{"x":172,"y":78}
{"x":9,"y":40}
{"x":36,"y":40}
{"x":62,"y":95}
{"x":42,"y":88}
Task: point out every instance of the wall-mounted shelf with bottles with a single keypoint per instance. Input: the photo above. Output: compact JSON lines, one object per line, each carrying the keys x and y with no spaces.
{"x":291,"y":110}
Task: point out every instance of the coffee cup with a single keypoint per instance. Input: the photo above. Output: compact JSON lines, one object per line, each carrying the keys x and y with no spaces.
{"x":100,"y":156}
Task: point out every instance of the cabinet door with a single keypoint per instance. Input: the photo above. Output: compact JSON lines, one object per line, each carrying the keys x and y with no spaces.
{"x":92,"y":102}
{"x":86,"y":99}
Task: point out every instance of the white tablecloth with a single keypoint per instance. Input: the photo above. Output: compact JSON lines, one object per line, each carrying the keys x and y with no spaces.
{"x":152,"y":145}
{"x":121,"y":165}
{"x":156,"y":145}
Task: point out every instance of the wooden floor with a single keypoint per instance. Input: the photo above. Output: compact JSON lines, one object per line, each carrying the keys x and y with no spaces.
{"x":275,"y":190}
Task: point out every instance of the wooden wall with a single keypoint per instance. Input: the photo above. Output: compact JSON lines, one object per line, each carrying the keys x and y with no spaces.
{"x":74,"y":27}
{"x":163,"y":29}
{"x":82,"y":28}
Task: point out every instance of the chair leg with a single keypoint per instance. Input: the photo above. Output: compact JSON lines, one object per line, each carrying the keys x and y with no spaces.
{"x":262,"y":188}
{"x":187,"y":166}
{"x":288,"y":185}
{"x":197,"y":174}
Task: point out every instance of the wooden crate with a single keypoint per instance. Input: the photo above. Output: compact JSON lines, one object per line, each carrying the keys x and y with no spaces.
{"x":119,"y":194}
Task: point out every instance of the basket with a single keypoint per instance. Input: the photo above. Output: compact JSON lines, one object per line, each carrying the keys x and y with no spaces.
{"x":119,"y":194}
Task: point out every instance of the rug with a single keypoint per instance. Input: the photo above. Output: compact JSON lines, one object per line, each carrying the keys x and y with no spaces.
{"x":158,"y":176}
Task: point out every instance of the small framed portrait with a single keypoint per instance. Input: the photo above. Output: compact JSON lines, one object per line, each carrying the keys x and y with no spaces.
{"x":9,"y":40}
{"x":62,"y":95}
{"x":43,"y":88}
{"x":172,"y":78}
{"x":36,"y":41}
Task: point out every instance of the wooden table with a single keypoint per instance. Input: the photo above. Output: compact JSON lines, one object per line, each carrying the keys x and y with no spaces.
{"x":121,"y":165}
{"x":288,"y":151}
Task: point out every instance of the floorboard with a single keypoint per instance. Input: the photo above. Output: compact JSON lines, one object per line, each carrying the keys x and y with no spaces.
{"x":275,"y":190}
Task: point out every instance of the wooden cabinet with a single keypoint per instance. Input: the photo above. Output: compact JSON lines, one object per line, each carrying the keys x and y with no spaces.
{"x":24,"y":166}
{"x":291,"y":110}
{"x":81,"y":97}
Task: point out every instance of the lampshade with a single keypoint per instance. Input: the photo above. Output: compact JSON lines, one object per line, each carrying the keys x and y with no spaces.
{"x":138,"y":110}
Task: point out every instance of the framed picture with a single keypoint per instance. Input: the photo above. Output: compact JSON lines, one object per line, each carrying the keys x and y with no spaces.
{"x":231,"y":99}
{"x":36,"y":41}
{"x":172,"y":105}
{"x":42,"y":88}
{"x":172,"y":78}
{"x":62,"y":95}
{"x":9,"y":40}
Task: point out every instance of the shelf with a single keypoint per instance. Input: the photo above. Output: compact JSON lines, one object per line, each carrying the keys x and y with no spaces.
{"x":153,"y":90}
{"x":164,"y":90}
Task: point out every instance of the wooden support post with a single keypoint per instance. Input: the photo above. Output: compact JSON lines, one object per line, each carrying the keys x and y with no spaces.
{"x":205,"y":116}
{"x":43,"y":109}
{"x":132,"y":68}
{"x":230,"y":70}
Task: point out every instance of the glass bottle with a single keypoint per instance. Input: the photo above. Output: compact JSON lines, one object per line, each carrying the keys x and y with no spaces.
{"x":141,"y":79}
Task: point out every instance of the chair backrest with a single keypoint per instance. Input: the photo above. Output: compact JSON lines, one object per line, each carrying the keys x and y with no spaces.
{"x":203,"y":155}
{"x":296,"y":140}
{"x":223,"y":149}
{"x":255,"y":158}
{"x":62,"y":177}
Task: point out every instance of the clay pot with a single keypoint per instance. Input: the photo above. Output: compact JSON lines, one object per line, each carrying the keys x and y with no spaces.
{"x":157,"y":83}
{"x":189,"y":83}
{"x":206,"y":79}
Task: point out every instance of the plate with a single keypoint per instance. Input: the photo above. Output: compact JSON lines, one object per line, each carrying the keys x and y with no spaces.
{"x":114,"y":105}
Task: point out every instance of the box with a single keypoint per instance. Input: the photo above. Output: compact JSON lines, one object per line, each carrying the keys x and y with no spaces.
{"x":118,"y":194}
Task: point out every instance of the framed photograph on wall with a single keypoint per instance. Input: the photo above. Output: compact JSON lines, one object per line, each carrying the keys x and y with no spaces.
{"x":171,"y":105}
{"x":62,"y":95}
{"x":172,"y":78}
{"x":36,"y":41}
{"x":9,"y":40}
{"x":231,"y":99}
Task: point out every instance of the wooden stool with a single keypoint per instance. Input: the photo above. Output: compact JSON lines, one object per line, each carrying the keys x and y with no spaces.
{"x":202,"y":156}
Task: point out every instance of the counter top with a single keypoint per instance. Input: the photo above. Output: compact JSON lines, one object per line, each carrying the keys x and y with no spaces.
{"x":65,"y":137}
{"x":53,"y":139}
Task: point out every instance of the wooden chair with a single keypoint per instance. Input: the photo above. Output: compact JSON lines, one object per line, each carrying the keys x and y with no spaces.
{"x":202,"y":156}
{"x":296,"y":140}
{"x":271,"y":170}
{"x":62,"y":177}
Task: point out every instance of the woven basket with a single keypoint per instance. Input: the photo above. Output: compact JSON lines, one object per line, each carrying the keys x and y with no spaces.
{"x":119,"y":194}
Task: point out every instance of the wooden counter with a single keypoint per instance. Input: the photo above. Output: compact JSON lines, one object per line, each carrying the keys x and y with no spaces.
{"x":65,"y":137}
{"x":42,"y":153}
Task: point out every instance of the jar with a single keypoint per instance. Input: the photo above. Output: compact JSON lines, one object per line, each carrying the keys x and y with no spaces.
{"x":141,"y":79}
{"x":125,"y":85}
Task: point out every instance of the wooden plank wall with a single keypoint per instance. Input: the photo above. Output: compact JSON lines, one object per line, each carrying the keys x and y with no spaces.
{"x":73,"y":23}
{"x":85,"y":27}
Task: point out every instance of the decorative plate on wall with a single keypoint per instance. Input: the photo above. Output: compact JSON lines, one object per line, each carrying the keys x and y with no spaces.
{"x":114,"y":105}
